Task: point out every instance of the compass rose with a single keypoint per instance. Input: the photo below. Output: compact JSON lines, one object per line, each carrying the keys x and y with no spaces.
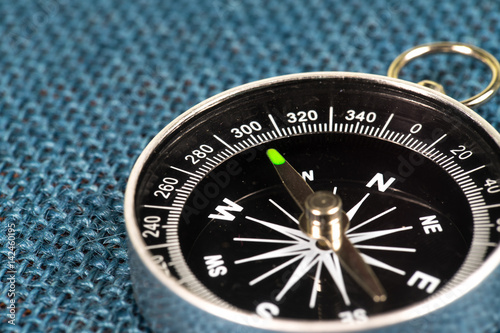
{"x":305,"y":250}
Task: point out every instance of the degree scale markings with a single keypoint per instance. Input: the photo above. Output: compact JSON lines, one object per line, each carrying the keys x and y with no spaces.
{"x":446,"y":162}
{"x":336,"y":127}
{"x":225,"y":143}
{"x":162,"y":207}
{"x":386,"y":124}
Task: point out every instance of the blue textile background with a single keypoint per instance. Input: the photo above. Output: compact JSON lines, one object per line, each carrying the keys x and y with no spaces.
{"x":85,"y":85}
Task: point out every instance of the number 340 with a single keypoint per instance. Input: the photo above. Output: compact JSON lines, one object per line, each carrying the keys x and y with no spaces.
{"x":361,"y":116}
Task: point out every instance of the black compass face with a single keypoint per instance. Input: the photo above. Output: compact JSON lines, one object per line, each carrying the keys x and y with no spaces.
{"x":404,"y":227}
{"x":417,"y":176}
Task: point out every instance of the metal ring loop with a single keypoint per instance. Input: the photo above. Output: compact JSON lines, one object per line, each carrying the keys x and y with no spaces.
{"x":453,"y":47}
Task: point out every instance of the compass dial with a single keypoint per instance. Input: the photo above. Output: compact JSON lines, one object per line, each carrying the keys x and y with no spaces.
{"x":417,"y":175}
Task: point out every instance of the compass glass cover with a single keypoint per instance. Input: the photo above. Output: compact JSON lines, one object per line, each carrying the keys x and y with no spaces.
{"x":417,"y":175}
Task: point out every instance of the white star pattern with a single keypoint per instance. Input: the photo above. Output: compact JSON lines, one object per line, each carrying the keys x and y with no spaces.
{"x":303,"y":249}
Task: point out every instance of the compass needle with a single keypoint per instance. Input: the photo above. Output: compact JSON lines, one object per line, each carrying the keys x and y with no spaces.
{"x":296,"y":186}
{"x":360,"y":271}
{"x":235,"y":211}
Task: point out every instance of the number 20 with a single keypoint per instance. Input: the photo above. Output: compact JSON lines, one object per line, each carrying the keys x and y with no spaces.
{"x":461,"y":152}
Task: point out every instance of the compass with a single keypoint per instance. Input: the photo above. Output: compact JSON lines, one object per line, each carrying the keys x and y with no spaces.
{"x":321,"y":202}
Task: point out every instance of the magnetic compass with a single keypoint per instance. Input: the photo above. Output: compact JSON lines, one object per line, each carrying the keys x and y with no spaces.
{"x":321,"y":202}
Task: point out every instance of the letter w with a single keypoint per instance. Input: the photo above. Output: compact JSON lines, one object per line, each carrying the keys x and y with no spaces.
{"x":224,"y":211}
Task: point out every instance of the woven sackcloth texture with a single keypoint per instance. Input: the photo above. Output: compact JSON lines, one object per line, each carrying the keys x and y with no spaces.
{"x":85,"y":85}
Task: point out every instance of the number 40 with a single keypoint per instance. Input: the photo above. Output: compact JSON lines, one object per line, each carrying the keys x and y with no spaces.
{"x":492,"y":186}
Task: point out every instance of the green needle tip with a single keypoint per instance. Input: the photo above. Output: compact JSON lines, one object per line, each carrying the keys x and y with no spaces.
{"x":275,"y":157}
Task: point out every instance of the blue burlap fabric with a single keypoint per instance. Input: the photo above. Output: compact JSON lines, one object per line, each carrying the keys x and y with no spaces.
{"x":85,"y":85}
